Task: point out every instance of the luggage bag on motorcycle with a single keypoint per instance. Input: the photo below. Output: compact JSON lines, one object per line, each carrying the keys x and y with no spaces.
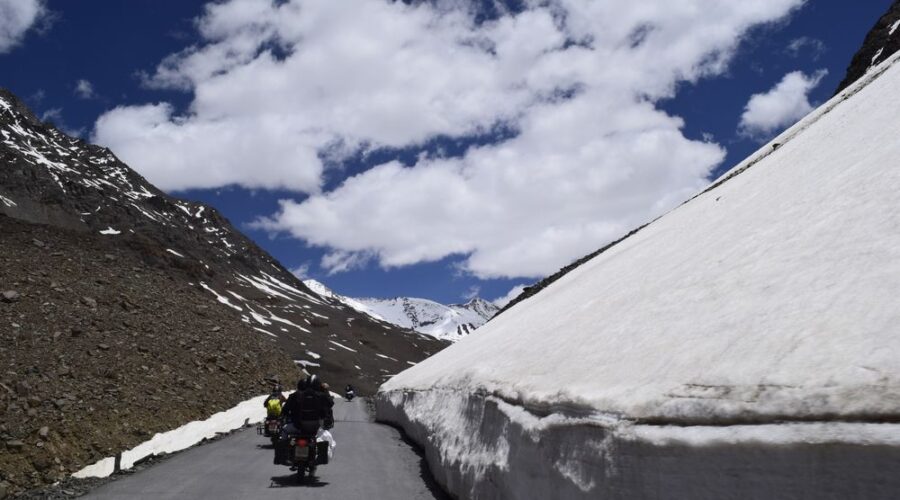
{"x":322,"y":452}
{"x":282,"y":452}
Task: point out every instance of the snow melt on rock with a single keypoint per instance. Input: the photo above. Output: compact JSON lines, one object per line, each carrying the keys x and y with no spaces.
{"x":770,"y":297}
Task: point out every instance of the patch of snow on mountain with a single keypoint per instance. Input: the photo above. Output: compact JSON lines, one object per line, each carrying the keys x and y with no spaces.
{"x":451,"y":322}
{"x":324,"y":291}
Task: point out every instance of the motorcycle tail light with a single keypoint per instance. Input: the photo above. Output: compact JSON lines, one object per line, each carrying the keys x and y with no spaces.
{"x":302,"y":443}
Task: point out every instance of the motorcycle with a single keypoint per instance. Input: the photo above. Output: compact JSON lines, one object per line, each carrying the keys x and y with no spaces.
{"x":349,"y":395}
{"x":305,"y":451}
{"x":271,"y":429}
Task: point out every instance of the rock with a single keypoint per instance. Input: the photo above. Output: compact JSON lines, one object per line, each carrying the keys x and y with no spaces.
{"x":89,"y":301}
{"x":38,"y":243}
{"x":109,"y":257}
{"x":216,"y":329}
{"x":23,"y":388}
{"x":43,"y":432}
{"x":15,"y":445}
{"x":40,"y":463}
{"x":9,"y":296}
{"x":4,"y":490}
{"x":76,"y":331}
{"x":103,"y":347}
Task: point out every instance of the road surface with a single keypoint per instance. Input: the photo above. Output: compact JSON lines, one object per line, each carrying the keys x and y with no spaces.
{"x":371,"y":461}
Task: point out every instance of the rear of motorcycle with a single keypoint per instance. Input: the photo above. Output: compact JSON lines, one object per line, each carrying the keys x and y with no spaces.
{"x":273,"y":430}
{"x":303,"y":453}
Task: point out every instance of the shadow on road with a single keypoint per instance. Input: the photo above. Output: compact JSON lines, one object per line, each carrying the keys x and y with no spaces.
{"x":424,"y":471}
{"x":294,"y":481}
{"x":269,"y":446}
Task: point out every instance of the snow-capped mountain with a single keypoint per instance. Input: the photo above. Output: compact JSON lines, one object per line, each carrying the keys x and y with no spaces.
{"x":448,"y":322}
{"x":49,"y":178}
{"x":744,"y":345}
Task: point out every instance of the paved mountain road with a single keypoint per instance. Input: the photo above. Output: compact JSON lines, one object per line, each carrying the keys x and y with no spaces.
{"x":371,"y":461}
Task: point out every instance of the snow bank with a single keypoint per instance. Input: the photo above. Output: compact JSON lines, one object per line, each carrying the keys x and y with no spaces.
{"x":248,"y":412}
{"x":764,"y":307}
{"x":482,"y":447}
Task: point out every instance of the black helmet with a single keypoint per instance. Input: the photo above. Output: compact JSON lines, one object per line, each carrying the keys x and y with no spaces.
{"x":313,"y":382}
{"x":302,"y":384}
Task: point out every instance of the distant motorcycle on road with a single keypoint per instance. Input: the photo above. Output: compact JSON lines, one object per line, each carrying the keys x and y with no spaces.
{"x":349,"y":393}
{"x":271,"y":429}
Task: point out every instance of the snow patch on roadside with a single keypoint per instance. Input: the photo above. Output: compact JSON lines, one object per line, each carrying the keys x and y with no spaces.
{"x":247,"y":412}
{"x":6,"y":201}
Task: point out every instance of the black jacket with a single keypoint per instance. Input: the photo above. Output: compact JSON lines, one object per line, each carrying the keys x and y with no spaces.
{"x":309,"y":405}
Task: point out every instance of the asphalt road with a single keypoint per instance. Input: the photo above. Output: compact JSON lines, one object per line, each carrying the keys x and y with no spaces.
{"x":371,"y":461}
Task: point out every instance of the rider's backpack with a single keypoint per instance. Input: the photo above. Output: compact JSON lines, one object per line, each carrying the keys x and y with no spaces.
{"x":273,"y":407}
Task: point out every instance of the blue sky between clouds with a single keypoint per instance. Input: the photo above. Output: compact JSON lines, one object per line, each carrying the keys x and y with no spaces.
{"x":86,"y":59}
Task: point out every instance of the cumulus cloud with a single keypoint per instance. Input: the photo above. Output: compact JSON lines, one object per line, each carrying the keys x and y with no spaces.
{"x":506,"y":299}
{"x":16,"y":18}
{"x":781,"y":106}
{"x":84,"y":89}
{"x":278,"y":86}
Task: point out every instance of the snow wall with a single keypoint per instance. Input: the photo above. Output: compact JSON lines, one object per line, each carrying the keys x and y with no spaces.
{"x":482,"y":447}
{"x":744,"y":345}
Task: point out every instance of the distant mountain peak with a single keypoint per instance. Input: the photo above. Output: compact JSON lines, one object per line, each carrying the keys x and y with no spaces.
{"x":449,"y":322}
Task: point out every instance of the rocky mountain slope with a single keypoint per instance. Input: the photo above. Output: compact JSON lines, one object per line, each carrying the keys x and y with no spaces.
{"x":101,"y":346}
{"x":880,"y":43}
{"x":118,"y":292}
{"x":50,"y":178}
{"x":447,"y":322}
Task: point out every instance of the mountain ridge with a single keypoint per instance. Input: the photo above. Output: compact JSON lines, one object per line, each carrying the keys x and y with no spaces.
{"x":447,"y":322}
{"x":101,"y":266}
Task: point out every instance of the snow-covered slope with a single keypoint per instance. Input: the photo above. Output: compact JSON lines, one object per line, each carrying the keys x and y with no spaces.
{"x":451,"y":322}
{"x":772,"y":297}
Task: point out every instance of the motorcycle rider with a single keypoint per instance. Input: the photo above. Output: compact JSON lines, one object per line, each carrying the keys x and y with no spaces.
{"x":275,"y":402}
{"x":307,"y":409}
{"x":310,"y":403}
{"x":349,"y":392}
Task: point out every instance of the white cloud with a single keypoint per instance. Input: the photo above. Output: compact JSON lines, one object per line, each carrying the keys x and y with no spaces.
{"x":277,"y":86}
{"x":301,"y":271}
{"x":813,"y":46}
{"x":784,"y":104}
{"x":340,"y":262}
{"x":16,"y":17}
{"x":55,"y":117}
{"x":84,"y":89}
{"x":472,"y":292}
{"x":506,"y":299}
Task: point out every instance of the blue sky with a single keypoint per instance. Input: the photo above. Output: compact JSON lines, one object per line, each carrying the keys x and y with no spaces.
{"x":430,"y":151}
